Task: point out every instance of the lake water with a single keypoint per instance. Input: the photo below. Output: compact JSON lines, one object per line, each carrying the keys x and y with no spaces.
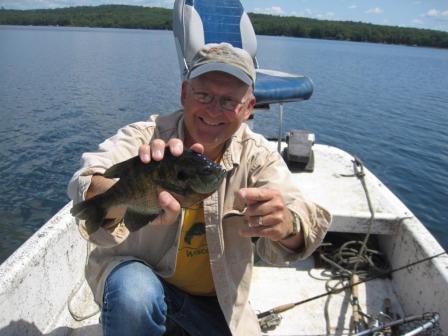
{"x":64,"y":90}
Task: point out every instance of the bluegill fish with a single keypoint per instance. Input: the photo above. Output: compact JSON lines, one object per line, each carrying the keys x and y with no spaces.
{"x":190,"y":178}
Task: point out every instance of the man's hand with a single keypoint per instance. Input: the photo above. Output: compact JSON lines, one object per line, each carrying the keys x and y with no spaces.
{"x":267,"y":216}
{"x":155,"y":151}
{"x":169,"y":205}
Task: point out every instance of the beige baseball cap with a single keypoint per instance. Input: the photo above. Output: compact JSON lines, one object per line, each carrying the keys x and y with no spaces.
{"x":226,"y":58}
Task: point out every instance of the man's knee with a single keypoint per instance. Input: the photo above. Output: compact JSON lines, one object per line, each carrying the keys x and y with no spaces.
{"x":134,"y":290}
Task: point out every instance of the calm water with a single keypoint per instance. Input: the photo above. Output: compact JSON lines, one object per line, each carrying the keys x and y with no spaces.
{"x":62,"y":91}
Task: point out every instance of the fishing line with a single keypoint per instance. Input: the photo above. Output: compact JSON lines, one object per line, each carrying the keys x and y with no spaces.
{"x":71,"y":309}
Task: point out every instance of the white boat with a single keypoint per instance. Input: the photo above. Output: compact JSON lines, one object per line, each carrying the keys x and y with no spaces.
{"x":43,"y":290}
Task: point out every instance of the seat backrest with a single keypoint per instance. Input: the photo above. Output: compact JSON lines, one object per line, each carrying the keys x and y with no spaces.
{"x":198,"y":22}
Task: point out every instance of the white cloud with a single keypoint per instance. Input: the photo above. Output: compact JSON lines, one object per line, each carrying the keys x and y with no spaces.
{"x":32,"y":4}
{"x":417,"y":21}
{"x":304,"y":13}
{"x":274,"y":10}
{"x":308,"y":12}
{"x":277,"y":10}
{"x":352,"y":7}
{"x":327,"y":15}
{"x":375,"y":10}
{"x":436,"y":14}
{"x":433,"y":12}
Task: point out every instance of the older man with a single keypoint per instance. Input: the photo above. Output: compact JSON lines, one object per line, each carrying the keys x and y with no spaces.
{"x":164,"y":279}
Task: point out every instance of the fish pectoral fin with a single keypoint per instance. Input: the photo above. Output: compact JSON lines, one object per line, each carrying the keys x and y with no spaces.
{"x":122,"y":167}
{"x":135,"y":220}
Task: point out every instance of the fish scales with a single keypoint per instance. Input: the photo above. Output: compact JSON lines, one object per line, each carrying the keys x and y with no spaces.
{"x":190,"y":178}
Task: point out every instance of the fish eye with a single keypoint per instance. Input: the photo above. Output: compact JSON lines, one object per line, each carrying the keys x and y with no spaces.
{"x":182,"y":175}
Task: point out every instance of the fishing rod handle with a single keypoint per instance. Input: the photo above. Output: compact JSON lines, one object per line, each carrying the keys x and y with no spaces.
{"x":277,"y":310}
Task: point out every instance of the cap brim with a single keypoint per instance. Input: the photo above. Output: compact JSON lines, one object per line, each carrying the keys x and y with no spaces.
{"x":223,"y":67}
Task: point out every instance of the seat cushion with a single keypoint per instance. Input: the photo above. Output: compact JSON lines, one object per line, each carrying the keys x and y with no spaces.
{"x":279,"y":87}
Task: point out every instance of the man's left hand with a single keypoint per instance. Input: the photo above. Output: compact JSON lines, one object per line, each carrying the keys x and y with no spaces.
{"x":266,"y":214}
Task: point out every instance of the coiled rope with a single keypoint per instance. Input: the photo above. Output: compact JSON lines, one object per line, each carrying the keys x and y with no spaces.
{"x":354,"y":258}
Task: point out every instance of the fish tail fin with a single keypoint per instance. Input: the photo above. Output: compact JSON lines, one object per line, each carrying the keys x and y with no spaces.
{"x":92,"y":211}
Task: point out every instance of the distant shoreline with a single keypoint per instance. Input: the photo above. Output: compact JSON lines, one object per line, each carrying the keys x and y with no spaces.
{"x":137,"y":17}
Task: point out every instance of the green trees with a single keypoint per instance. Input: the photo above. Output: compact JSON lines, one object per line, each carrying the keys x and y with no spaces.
{"x":108,"y":16}
{"x":347,"y":30}
{"x":121,"y":16}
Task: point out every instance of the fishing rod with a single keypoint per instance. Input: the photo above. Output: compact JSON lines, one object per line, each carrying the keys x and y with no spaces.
{"x":288,"y":306}
{"x":430,"y":318}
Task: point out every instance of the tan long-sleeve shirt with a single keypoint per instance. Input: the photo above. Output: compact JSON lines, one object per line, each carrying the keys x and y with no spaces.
{"x":250,"y":163}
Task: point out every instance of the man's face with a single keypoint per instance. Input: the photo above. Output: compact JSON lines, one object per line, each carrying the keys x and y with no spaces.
{"x":208,"y":114}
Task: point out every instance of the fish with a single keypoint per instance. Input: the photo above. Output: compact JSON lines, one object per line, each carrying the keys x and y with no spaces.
{"x":197,"y":229}
{"x":190,"y":178}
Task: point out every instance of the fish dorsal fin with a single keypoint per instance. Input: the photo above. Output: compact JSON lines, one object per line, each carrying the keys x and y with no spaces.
{"x":121,"y":168}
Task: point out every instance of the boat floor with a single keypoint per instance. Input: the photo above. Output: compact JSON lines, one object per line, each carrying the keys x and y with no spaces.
{"x":274,"y":286}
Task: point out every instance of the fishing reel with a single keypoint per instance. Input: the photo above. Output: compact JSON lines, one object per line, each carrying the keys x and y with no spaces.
{"x":269,"y":322}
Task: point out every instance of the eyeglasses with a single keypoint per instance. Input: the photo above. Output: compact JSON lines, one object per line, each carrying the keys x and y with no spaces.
{"x":225,"y":103}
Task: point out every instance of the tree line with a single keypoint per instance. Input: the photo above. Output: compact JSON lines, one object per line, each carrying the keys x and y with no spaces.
{"x":106,"y":16}
{"x":123,"y":16}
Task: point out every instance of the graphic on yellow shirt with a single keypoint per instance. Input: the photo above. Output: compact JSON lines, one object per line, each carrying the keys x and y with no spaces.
{"x":197,"y":229}
{"x":193,"y":273}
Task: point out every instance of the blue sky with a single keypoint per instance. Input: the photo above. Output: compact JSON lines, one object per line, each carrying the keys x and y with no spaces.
{"x":432,"y":14}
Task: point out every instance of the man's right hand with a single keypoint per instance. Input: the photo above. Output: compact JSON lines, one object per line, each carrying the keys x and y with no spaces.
{"x":155,"y":151}
{"x":169,"y":205}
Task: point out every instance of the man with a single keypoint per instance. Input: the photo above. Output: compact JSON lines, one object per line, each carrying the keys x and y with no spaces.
{"x":189,"y":270}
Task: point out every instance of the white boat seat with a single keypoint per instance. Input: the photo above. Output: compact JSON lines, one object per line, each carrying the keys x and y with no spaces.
{"x":198,"y":22}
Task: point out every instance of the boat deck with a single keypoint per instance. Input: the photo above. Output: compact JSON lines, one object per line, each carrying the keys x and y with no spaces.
{"x":272,"y":287}
{"x":334,"y":186}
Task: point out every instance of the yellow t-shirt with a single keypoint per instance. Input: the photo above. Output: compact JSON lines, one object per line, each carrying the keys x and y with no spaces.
{"x":193,"y":274}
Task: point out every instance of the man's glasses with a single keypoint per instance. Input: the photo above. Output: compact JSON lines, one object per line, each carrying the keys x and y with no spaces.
{"x":225,"y":103}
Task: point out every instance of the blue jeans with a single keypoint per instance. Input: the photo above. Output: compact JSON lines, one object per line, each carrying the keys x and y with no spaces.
{"x":137,"y":302}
